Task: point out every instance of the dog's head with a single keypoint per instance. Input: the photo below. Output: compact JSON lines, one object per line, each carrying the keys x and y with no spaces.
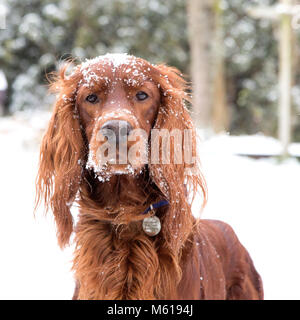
{"x":117,"y":102}
{"x":118,"y":114}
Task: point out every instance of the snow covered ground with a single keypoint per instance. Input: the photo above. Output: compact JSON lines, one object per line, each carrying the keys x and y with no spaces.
{"x":259,"y":198}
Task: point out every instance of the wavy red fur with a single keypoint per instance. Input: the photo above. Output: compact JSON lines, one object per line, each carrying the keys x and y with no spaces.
{"x":114,"y":258}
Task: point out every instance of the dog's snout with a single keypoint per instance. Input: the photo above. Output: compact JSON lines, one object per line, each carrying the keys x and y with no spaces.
{"x":116,"y":129}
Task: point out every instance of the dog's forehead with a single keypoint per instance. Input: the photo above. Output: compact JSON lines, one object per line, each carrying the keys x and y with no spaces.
{"x":111,"y":68}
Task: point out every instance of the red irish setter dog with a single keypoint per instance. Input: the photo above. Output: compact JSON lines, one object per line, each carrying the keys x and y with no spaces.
{"x":116,"y":256}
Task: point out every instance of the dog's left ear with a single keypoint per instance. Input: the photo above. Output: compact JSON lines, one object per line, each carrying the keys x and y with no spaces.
{"x":61,"y":153}
{"x":179,"y":182}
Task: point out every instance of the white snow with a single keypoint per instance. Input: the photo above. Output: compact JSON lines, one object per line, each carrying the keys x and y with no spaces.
{"x":132,"y":64}
{"x":256,"y":145}
{"x":258,"y":198}
{"x":116,"y":59}
{"x":32,"y":266}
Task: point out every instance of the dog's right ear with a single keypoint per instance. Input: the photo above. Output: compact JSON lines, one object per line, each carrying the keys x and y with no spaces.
{"x":61,"y":155}
{"x":176,"y":181}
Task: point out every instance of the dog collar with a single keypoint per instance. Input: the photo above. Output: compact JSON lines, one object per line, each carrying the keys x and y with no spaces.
{"x":156,"y":205}
{"x":151,"y":225}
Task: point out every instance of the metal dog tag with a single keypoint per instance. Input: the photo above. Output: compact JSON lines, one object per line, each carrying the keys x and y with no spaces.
{"x":151,"y":226}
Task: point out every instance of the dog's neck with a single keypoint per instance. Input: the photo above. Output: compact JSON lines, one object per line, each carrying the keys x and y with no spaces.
{"x":121,"y":191}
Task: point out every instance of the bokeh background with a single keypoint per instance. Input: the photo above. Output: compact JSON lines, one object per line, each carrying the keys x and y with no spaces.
{"x":41,"y":33}
{"x":229,"y":50}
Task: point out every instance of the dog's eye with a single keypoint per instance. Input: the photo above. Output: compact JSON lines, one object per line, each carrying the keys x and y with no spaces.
{"x":92,"y":98}
{"x":141,"y":95}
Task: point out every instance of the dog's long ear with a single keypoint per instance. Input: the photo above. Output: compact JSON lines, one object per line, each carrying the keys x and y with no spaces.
{"x":60,"y":156}
{"x":179,"y":182}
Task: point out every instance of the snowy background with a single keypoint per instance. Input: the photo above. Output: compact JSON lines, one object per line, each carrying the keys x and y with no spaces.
{"x":259,"y":198}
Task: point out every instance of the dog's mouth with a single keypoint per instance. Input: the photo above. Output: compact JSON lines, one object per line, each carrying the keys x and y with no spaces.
{"x":115,"y":170}
{"x":117,"y":150}
{"x":107,"y":171}
{"x":105,"y":164}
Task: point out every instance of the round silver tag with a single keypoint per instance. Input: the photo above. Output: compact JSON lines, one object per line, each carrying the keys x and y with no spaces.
{"x":151,"y":226}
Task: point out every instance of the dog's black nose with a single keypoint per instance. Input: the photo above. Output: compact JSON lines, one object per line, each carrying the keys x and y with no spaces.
{"x":116,"y":129}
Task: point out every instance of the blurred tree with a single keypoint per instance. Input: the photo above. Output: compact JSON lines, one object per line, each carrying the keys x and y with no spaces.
{"x":282,"y":12}
{"x":220,"y":110}
{"x":3,"y":88}
{"x":207,"y":65}
{"x":201,"y":22}
{"x":251,"y":69}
